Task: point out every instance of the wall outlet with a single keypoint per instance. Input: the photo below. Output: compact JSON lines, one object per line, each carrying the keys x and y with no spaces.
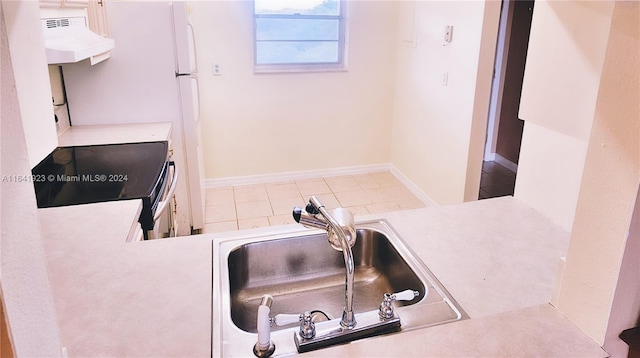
{"x":217,"y":71}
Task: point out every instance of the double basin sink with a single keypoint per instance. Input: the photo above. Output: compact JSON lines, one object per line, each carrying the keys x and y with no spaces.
{"x":303,"y":273}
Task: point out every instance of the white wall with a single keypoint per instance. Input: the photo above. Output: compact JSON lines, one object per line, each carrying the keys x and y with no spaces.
{"x":24,"y":285}
{"x":625,"y":311}
{"x":562,"y":75}
{"x":31,"y":77}
{"x":271,"y":123}
{"x":438,"y":131}
{"x":549,"y":172}
{"x":580,"y":155}
{"x":609,"y":187}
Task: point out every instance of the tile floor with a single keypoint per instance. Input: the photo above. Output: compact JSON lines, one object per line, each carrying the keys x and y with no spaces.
{"x":268,"y":204}
{"x":496,"y":180}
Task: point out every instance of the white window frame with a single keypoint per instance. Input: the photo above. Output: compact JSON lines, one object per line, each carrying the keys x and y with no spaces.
{"x":340,"y":65}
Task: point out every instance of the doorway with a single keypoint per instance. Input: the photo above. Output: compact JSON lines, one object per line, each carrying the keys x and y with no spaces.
{"x":504,"y":128}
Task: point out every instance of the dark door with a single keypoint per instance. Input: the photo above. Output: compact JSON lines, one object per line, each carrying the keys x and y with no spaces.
{"x":510,"y":126}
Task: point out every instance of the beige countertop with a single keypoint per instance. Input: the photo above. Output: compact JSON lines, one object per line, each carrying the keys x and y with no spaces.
{"x":119,"y":299}
{"x":115,"y":133}
{"x":497,"y":258}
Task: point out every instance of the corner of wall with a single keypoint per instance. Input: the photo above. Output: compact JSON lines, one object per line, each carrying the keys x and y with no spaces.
{"x":602,"y":229}
{"x":625,"y":311}
{"x":484,"y":78}
{"x":31,"y":76}
{"x":25,"y":288}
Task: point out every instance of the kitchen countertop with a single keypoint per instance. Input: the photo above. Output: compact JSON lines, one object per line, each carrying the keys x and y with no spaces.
{"x":121,"y":299}
{"x":114,"y":133}
{"x":497,"y":257}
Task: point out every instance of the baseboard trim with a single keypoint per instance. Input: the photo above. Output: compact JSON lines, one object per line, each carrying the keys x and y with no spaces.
{"x":506,"y":163}
{"x":495,"y":157}
{"x":294,"y":175}
{"x":411,"y":186}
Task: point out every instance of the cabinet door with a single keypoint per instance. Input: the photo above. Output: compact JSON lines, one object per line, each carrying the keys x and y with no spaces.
{"x":64,"y":3}
{"x":75,"y":3}
{"x":50,"y":3}
{"x":97,"y":17}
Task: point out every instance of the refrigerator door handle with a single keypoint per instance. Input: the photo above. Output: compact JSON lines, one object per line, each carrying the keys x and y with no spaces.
{"x":191,"y":45}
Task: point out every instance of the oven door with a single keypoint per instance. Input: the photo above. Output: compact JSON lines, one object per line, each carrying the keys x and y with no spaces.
{"x":164,"y":215}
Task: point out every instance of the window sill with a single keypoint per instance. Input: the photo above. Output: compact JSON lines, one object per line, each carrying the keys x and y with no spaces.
{"x":268,"y":69}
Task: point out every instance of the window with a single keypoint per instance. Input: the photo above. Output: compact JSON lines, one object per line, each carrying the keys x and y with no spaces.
{"x":298,"y":35}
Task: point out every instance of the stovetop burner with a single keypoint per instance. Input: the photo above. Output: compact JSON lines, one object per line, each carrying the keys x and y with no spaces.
{"x":97,"y":173}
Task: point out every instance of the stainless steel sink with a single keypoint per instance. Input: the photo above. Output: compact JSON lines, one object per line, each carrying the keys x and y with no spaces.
{"x":303,"y":273}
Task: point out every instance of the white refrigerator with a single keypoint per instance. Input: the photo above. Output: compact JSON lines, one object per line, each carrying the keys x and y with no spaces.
{"x":150,"y":77}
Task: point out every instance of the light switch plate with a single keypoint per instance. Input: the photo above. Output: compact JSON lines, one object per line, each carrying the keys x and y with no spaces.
{"x":448,"y":33}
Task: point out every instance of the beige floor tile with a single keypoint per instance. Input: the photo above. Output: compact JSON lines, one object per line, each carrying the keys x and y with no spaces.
{"x":379,"y":208}
{"x":218,"y":196}
{"x":220,"y":227}
{"x":358,"y":210}
{"x":254,"y":209}
{"x":366,"y":181}
{"x":284,"y":219}
{"x":401,"y":193}
{"x":411,"y":204}
{"x":342,"y":183}
{"x":328,"y":200}
{"x":252,"y":206}
{"x":282,"y":190}
{"x":353,"y":198}
{"x":380,"y":195}
{"x":313,"y":187}
{"x":219,"y":213}
{"x":285,"y":205}
{"x":385,"y":179}
{"x":247,"y":193}
{"x":389,"y":194}
{"x":253,"y":223}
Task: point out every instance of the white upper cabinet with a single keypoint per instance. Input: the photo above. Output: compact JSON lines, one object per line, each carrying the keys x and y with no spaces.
{"x":64,"y":3}
{"x":97,"y":17}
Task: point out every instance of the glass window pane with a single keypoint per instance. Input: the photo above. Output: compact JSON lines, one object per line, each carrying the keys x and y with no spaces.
{"x":296,"y":52}
{"x":303,"y":7}
{"x":297,"y":29}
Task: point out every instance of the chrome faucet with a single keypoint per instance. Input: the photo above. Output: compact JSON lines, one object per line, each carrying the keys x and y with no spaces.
{"x":342,"y":236}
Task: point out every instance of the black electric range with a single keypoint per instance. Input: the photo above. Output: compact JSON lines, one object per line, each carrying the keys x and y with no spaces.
{"x":99,"y":173}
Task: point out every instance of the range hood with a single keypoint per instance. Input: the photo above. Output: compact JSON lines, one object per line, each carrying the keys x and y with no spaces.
{"x":68,"y":40}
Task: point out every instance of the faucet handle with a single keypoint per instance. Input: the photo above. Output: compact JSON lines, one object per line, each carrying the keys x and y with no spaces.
{"x":386,"y":311}
{"x":406,"y":295}
{"x":284,"y":319}
{"x":307,"y":327}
